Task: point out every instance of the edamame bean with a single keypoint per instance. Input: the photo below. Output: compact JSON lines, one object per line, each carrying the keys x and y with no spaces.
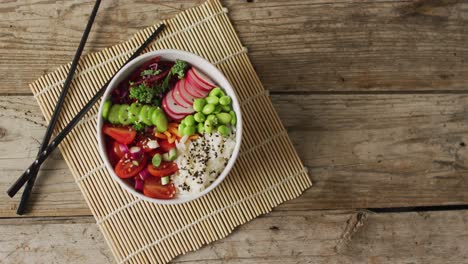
{"x":224,"y":130}
{"x":213,"y":119}
{"x":208,"y":126}
{"x":201,"y":128}
{"x":199,"y":117}
{"x":224,"y":118}
{"x":216,"y":92}
{"x":218,"y":109}
{"x":181,"y":129}
{"x":105,"y":109}
{"x":189,"y":130}
{"x":198,"y":104}
{"x":212,"y":100}
{"x":226,"y":108}
{"x":208,"y":109}
{"x":233,"y":118}
{"x":225,"y":100}
{"x":189,"y":120}
{"x":161,"y":120}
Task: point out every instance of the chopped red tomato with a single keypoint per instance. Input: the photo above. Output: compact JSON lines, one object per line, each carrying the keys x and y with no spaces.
{"x":117,"y":150}
{"x":165,"y":145}
{"x":113,"y":158}
{"x":165,"y":169}
{"x":154,"y":189}
{"x":127,"y":168}
{"x":123,"y":134}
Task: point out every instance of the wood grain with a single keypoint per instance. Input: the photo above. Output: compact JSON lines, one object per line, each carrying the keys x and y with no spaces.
{"x":322,"y":45}
{"x":362,"y":151}
{"x":279,"y":237}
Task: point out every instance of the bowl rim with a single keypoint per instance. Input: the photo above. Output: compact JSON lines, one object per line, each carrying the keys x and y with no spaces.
{"x":206,"y":67}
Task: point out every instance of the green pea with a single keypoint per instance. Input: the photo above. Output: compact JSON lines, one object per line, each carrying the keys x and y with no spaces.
{"x":213,"y":119}
{"x":212,"y":100}
{"x":224,"y":130}
{"x":201,"y":128}
{"x":226,"y":108}
{"x":216,"y":92}
{"x":225,"y":100}
{"x":198,"y":104}
{"x":181,"y":129}
{"x":160,"y":119}
{"x":189,"y":120}
{"x":224,"y":118}
{"x":199,"y":117}
{"x":208,"y":109}
{"x":233,"y":118}
{"x":208,"y":126}
{"x":189,"y":130}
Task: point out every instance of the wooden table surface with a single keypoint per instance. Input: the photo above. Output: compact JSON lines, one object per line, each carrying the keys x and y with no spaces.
{"x":373,"y":94}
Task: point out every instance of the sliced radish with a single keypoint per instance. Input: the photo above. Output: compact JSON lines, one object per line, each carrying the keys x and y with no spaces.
{"x":187,"y":89}
{"x":203,"y":77}
{"x":178,"y":97}
{"x":184,"y":94}
{"x":169,"y":113}
{"x":175,"y":107}
{"x":197,"y":83}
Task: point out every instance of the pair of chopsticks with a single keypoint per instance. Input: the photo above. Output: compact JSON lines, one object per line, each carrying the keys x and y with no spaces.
{"x":46,"y":148}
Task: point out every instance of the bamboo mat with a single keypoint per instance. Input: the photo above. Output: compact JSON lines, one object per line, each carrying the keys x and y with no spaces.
{"x":268,"y":170}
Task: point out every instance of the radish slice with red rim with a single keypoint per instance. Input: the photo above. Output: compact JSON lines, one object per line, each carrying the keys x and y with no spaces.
{"x":176,"y":108}
{"x":179,"y":98}
{"x":169,"y":113}
{"x":192,"y":89}
{"x":197,"y":83}
{"x":203,"y":77}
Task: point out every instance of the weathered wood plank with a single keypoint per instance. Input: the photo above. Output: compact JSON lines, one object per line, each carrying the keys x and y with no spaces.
{"x":279,"y":237}
{"x":362,"y":152}
{"x":323,"y":45}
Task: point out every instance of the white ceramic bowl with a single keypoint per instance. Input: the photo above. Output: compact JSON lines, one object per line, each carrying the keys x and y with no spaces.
{"x":208,"y":69}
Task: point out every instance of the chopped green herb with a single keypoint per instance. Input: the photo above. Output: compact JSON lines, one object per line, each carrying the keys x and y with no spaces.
{"x":150,"y":72}
{"x":139,"y":127}
{"x":142,"y":93}
{"x":179,"y":68}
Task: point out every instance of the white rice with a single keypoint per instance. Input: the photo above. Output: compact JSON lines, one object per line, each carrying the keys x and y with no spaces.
{"x":201,"y":161}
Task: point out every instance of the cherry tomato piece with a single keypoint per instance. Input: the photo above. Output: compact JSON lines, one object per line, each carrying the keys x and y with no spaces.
{"x":165,"y":145}
{"x":165,"y":169}
{"x":121,"y":134}
{"x":127,"y":168}
{"x":154,"y":189}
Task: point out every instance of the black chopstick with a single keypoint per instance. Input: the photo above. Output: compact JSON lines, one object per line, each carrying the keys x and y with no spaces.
{"x":56,"y":141}
{"x":58,"y":107}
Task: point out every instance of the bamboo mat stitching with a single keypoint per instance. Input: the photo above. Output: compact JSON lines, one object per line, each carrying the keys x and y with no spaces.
{"x":254,"y":195}
{"x":116,"y":211}
{"x":124,"y":54}
{"x":283,"y":132}
{"x":90,"y":173}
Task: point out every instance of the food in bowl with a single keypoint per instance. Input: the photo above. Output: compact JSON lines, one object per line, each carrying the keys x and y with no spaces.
{"x":169,"y":130}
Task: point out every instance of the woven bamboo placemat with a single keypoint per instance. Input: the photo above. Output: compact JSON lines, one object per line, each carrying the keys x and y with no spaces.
{"x":268,"y":170}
